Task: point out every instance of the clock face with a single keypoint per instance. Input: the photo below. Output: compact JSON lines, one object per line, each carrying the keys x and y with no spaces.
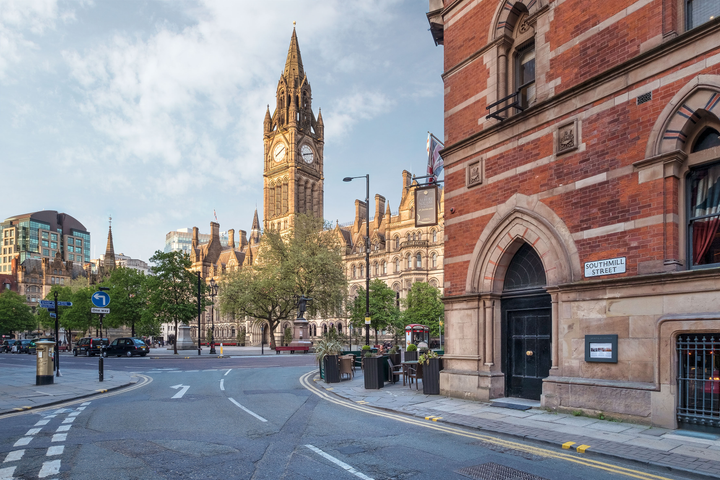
{"x":307,"y":153}
{"x":279,"y":152}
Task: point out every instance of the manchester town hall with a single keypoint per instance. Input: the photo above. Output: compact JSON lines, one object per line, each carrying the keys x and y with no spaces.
{"x":293,"y":139}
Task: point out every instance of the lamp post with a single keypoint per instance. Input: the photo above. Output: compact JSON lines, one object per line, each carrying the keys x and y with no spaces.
{"x":367,"y":253}
{"x":213,"y":292}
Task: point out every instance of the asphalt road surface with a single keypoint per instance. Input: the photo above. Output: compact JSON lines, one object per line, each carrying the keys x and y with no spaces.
{"x":261,"y":418}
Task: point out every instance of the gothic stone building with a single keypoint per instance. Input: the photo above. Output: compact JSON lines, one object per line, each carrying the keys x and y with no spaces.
{"x":582,"y":257}
{"x":293,"y":141}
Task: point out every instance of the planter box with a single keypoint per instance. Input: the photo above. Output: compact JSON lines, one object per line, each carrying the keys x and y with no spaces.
{"x":396,"y":358}
{"x":332,"y":369}
{"x":374,"y":373}
{"x":431,"y":377}
{"x":411,"y":356}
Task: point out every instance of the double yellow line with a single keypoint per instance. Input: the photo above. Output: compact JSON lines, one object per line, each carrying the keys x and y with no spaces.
{"x":103,"y":393}
{"x":306,"y":381}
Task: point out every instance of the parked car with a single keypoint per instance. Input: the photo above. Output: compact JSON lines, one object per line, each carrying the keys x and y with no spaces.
{"x":5,"y":345}
{"x":126,"y":346}
{"x":90,"y":346}
{"x":21,"y":346}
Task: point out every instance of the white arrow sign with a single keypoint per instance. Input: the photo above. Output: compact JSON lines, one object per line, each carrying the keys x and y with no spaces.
{"x":184,"y":388}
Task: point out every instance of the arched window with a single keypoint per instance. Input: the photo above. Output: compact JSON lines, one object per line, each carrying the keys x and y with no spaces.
{"x":409,"y":262}
{"x":375,"y":269}
{"x":703,"y":211}
{"x":418,"y":261}
{"x":434,"y":235}
{"x":362,"y":271}
{"x":434,"y":260}
{"x":397,"y":242}
{"x":397,"y":265}
{"x":408,"y":237}
{"x":325,"y":330}
{"x":384,"y":268}
{"x":340,"y":328}
{"x":354,"y":271}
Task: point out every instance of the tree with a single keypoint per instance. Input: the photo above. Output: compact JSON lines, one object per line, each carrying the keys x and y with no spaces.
{"x":65,"y":294}
{"x":127,"y":293}
{"x":15,"y":314}
{"x":423,"y":306}
{"x":384,"y":314}
{"x":172,"y":291}
{"x":306,"y":261}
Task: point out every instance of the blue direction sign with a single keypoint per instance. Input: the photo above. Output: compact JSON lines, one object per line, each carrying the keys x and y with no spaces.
{"x":47,"y":304}
{"x":52,"y":315}
{"x":100,"y":299}
{"x":64,"y":304}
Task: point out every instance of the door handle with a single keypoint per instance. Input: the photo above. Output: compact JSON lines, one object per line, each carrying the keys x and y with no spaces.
{"x":529,"y":353}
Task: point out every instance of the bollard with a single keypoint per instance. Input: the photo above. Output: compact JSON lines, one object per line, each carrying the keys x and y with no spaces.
{"x":221,"y":349}
{"x":101,"y":368}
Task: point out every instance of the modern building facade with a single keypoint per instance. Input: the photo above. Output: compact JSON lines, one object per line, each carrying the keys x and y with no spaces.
{"x":43,"y":234}
{"x":180,"y":240}
{"x":582,"y":160}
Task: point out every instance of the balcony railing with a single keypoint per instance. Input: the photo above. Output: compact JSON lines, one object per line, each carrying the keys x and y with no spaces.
{"x":517,"y":100}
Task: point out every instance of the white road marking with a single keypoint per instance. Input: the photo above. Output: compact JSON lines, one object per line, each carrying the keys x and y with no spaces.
{"x":248,"y":411}
{"x":227,"y":372}
{"x":33,"y":431}
{"x":222,"y":384}
{"x":80,"y":409}
{"x":23,"y":441}
{"x":50,"y":468}
{"x":56,"y":450}
{"x":7,"y":473}
{"x":339,"y":463}
{"x":74,"y":414}
{"x":191,"y":371}
{"x":85,"y":404}
{"x":69,"y":420}
{"x":14,"y":456}
{"x":59,"y":437}
{"x":183,"y":389}
{"x":63,"y":428}
{"x":42,"y":422}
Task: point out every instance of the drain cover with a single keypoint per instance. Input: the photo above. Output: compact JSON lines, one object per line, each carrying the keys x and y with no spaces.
{"x":495,"y":471}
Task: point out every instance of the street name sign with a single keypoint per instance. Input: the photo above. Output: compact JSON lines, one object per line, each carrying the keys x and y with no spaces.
{"x":52,"y":315}
{"x":64,"y":304}
{"x":100,"y":299}
{"x":100,"y":310}
{"x":611,"y":266}
{"x":47,"y":304}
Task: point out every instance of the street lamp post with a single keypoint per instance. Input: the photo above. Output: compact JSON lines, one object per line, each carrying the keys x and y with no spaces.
{"x":213,"y":292}
{"x":367,"y":252}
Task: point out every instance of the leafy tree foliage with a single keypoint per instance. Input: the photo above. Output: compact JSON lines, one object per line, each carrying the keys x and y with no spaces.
{"x":384,"y":313}
{"x":172,"y":291}
{"x":127,"y":294}
{"x":15,"y":315}
{"x":423,"y":305}
{"x":306,"y":261}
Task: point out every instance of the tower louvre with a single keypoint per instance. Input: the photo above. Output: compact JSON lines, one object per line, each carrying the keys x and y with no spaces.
{"x":293,"y":141}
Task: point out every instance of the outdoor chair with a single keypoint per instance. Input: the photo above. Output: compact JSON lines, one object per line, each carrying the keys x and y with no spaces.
{"x":395,"y":371}
{"x":416,"y":372}
{"x":346,"y":367}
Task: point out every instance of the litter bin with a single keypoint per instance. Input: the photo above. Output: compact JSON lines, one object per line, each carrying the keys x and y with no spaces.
{"x":44,"y":375}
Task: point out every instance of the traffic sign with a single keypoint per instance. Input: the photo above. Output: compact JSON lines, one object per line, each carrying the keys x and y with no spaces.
{"x":64,"y":304}
{"x":100,"y":310}
{"x":100,"y":299}
{"x":46,"y":303}
{"x":52,"y":315}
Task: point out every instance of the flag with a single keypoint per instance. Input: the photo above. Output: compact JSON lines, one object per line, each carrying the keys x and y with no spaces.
{"x":435,"y":161}
{"x":215,"y":214}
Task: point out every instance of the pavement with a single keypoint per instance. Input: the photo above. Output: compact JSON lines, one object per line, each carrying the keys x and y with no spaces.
{"x":223,"y":352}
{"x":18,"y":391}
{"x":683,"y":451}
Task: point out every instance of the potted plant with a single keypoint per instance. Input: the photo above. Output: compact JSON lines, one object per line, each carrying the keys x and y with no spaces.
{"x":411,"y":352}
{"x":374,"y":371}
{"x":327,"y":351}
{"x":431,"y":372}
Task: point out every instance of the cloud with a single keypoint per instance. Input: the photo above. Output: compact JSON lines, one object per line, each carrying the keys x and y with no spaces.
{"x":18,"y":18}
{"x":348,"y":111}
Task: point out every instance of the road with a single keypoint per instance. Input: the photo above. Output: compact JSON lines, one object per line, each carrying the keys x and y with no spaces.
{"x":260,"y":418}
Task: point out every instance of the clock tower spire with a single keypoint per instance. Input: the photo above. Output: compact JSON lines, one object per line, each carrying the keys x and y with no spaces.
{"x":293,"y":141}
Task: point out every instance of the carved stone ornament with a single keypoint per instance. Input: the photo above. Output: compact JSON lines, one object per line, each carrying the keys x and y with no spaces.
{"x":567,"y":137}
{"x":474,"y":173}
{"x":524,"y":25}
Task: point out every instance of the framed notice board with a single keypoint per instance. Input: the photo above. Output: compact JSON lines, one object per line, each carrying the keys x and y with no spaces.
{"x":601,"y":348}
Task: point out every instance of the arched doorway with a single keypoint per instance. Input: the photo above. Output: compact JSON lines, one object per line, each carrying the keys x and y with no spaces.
{"x":526,"y":325}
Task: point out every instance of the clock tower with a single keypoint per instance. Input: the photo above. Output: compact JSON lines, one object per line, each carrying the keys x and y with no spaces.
{"x":293,"y":139}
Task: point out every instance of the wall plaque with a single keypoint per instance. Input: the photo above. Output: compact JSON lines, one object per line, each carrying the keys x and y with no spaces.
{"x":611,"y":266}
{"x":474,"y":174}
{"x":567,"y":137}
{"x":601,"y":348}
{"x":426,"y":206}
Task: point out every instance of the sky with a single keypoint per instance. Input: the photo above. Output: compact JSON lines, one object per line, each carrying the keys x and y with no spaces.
{"x":152,"y":111}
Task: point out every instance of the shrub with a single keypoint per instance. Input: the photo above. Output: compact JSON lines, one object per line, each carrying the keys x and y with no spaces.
{"x":411,"y":347}
{"x":366,"y":348}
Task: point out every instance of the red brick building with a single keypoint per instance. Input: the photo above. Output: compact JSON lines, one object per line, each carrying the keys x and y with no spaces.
{"x":582,"y":204}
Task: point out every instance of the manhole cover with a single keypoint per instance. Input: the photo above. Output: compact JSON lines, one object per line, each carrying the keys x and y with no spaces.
{"x":495,"y":471}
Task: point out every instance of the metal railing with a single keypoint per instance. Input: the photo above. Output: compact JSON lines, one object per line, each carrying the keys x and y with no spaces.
{"x":518,"y":101}
{"x":698,"y":380}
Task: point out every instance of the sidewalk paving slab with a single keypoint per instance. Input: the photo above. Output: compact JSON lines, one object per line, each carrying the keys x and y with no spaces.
{"x":18,"y":391}
{"x":648,"y":445}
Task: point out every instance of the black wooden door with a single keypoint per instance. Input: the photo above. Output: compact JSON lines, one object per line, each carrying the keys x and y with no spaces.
{"x":527,"y":327}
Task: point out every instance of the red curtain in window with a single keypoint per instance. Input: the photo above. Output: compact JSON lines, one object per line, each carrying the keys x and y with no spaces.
{"x":703,"y":236}
{"x":707,"y":202}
